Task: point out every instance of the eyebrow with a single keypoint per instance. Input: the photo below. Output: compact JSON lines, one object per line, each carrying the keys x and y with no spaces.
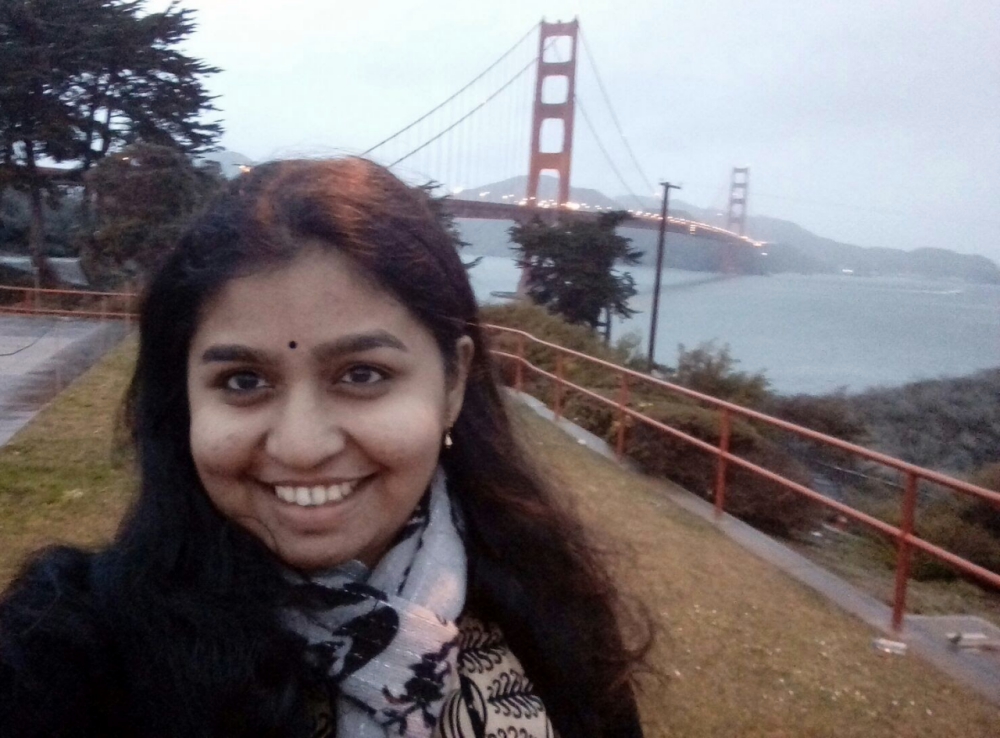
{"x":357,"y":343}
{"x":350,"y":344}
{"x":235,"y":352}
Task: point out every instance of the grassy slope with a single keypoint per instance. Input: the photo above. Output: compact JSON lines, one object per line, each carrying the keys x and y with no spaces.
{"x":746,"y":651}
{"x":57,"y":478}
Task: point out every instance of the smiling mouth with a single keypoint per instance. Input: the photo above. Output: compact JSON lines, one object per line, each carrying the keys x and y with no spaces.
{"x":315,"y":495}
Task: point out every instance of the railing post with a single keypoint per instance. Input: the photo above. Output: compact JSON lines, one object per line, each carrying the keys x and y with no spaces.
{"x":622,"y":404}
{"x":519,"y":369}
{"x":557,"y":405}
{"x":904,"y":552}
{"x":722,"y":462}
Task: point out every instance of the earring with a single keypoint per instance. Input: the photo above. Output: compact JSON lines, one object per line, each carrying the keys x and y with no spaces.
{"x":448,"y":443}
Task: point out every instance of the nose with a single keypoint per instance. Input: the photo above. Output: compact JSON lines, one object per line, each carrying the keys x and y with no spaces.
{"x":305,"y":432}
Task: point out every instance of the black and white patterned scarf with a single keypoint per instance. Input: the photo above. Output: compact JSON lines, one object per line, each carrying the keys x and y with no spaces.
{"x":388,"y":637}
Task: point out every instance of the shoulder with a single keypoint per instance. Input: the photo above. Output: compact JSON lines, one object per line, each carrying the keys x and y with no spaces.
{"x":53,"y":589}
{"x":48,"y":639}
{"x":495,"y":695}
{"x":498,"y":698}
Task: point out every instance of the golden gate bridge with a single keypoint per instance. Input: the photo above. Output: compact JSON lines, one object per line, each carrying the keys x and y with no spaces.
{"x":445,"y":145}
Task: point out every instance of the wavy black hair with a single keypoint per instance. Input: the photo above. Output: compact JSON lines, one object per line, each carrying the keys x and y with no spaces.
{"x":179,"y":569}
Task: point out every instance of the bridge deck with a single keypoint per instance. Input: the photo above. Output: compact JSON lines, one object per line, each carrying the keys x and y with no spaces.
{"x":480,"y":210}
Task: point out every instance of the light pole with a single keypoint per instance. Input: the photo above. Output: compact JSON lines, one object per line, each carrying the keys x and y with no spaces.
{"x":659,"y":268}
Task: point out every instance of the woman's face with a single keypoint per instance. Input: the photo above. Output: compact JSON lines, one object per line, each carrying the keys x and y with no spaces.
{"x":318,"y":406}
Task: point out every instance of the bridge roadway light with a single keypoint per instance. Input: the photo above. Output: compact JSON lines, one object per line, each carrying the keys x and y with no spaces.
{"x":664,"y":217}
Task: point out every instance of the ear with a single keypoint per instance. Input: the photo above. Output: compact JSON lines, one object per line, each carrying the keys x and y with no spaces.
{"x":464,"y":351}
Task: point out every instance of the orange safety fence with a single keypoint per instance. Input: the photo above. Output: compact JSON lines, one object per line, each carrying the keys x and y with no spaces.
{"x":906,"y":540}
{"x":67,"y":303}
{"x":122,"y":305}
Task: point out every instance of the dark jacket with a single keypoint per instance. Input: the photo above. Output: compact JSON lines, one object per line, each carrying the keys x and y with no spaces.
{"x":74,"y":663}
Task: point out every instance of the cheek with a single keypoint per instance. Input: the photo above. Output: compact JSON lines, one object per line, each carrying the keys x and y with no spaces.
{"x":219,"y":445}
{"x":406,"y":431}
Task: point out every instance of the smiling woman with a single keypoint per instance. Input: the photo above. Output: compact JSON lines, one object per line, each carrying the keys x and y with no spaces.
{"x":336,"y":532}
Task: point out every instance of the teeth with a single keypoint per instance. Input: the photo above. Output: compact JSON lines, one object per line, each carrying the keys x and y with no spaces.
{"x":316,"y":495}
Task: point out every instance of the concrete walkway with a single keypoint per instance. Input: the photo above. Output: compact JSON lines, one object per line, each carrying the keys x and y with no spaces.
{"x":925,"y":636}
{"x":39,"y":356}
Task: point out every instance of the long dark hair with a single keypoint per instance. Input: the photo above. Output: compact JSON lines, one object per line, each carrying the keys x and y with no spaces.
{"x":533,"y":570}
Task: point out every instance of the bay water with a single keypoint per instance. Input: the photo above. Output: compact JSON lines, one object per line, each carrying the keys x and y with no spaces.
{"x":808,"y":333}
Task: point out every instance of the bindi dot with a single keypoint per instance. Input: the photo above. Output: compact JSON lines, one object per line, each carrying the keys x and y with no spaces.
{"x":292,"y":344}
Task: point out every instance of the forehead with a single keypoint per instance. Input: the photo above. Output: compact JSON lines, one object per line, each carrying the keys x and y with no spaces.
{"x":316,"y":296}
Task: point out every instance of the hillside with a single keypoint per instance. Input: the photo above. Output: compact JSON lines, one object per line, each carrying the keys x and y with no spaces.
{"x":792,"y":248}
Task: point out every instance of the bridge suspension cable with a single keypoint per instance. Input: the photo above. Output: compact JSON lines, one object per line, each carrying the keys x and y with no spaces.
{"x":593,"y":131}
{"x":611,"y":109}
{"x":468,"y":115}
{"x":607,"y":156}
{"x":431,"y":112}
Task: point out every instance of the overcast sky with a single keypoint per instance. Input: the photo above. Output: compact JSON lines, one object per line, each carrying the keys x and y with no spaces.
{"x":875,"y":122}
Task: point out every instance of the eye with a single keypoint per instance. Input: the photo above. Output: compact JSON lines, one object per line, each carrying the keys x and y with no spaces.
{"x":363,"y":374}
{"x":244,"y":381}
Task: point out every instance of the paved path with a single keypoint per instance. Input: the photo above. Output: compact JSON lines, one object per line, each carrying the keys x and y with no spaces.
{"x":924,"y":636}
{"x":40,"y":356}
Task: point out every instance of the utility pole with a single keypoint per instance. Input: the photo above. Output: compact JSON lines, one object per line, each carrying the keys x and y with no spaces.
{"x":659,"y":268}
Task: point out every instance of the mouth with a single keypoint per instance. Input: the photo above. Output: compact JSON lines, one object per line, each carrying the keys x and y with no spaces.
{"x":316,"y":494}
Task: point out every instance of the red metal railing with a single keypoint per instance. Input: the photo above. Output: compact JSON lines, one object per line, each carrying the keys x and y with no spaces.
{"x":906,"y":541}
{"x":121,"y":305}
{"x":67,"y":303}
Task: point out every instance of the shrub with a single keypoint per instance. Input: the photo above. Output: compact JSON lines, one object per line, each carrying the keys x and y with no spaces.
{"x":830,"y":414}
{"x":543,"y":325}
{"x":948,"y":424}
{"x":711,"y":370}
{"x":760,"y":502}
{"x":982,"y":512}
{"x":944,"y":522}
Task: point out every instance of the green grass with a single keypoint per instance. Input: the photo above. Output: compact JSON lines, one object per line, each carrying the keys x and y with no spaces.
{"x":745,"y":650}
{"x":59,"y":479}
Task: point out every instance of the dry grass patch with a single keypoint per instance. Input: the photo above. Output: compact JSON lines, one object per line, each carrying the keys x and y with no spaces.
{"x":59,"y":478}
{"x":745,"y":650}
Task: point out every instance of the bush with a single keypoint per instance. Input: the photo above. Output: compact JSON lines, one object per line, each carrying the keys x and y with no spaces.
{"x":760,"y":502}
{"x":543,"y":325}
{"x":945,"y":522}
{"x":832,"y":415}
{"x":711,"y":370}
{"x":952,"y":425}
{"x":982,"y":512}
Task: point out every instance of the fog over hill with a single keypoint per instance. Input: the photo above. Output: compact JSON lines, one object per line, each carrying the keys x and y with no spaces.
{"x":790,"y":247}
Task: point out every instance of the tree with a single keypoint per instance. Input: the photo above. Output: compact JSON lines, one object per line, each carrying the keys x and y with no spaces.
{"x":145,"y":196}
{"x":79,"y":78}
{"x":571,"y":267}
{"x":438,"y":205}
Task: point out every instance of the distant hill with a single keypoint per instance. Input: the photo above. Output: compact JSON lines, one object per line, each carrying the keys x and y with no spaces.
{"x":791,"y":248}
{"x":548,"y":187}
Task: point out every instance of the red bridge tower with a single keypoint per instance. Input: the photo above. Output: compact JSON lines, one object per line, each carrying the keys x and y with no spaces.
{"x":738,"y":186}
{"x":557,"y":161}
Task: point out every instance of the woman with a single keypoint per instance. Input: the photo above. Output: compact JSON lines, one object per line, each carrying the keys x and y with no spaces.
{"x":336,"y":531}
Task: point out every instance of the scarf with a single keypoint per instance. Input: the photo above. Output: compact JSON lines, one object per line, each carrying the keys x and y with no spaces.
{"x":388,"y":638}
